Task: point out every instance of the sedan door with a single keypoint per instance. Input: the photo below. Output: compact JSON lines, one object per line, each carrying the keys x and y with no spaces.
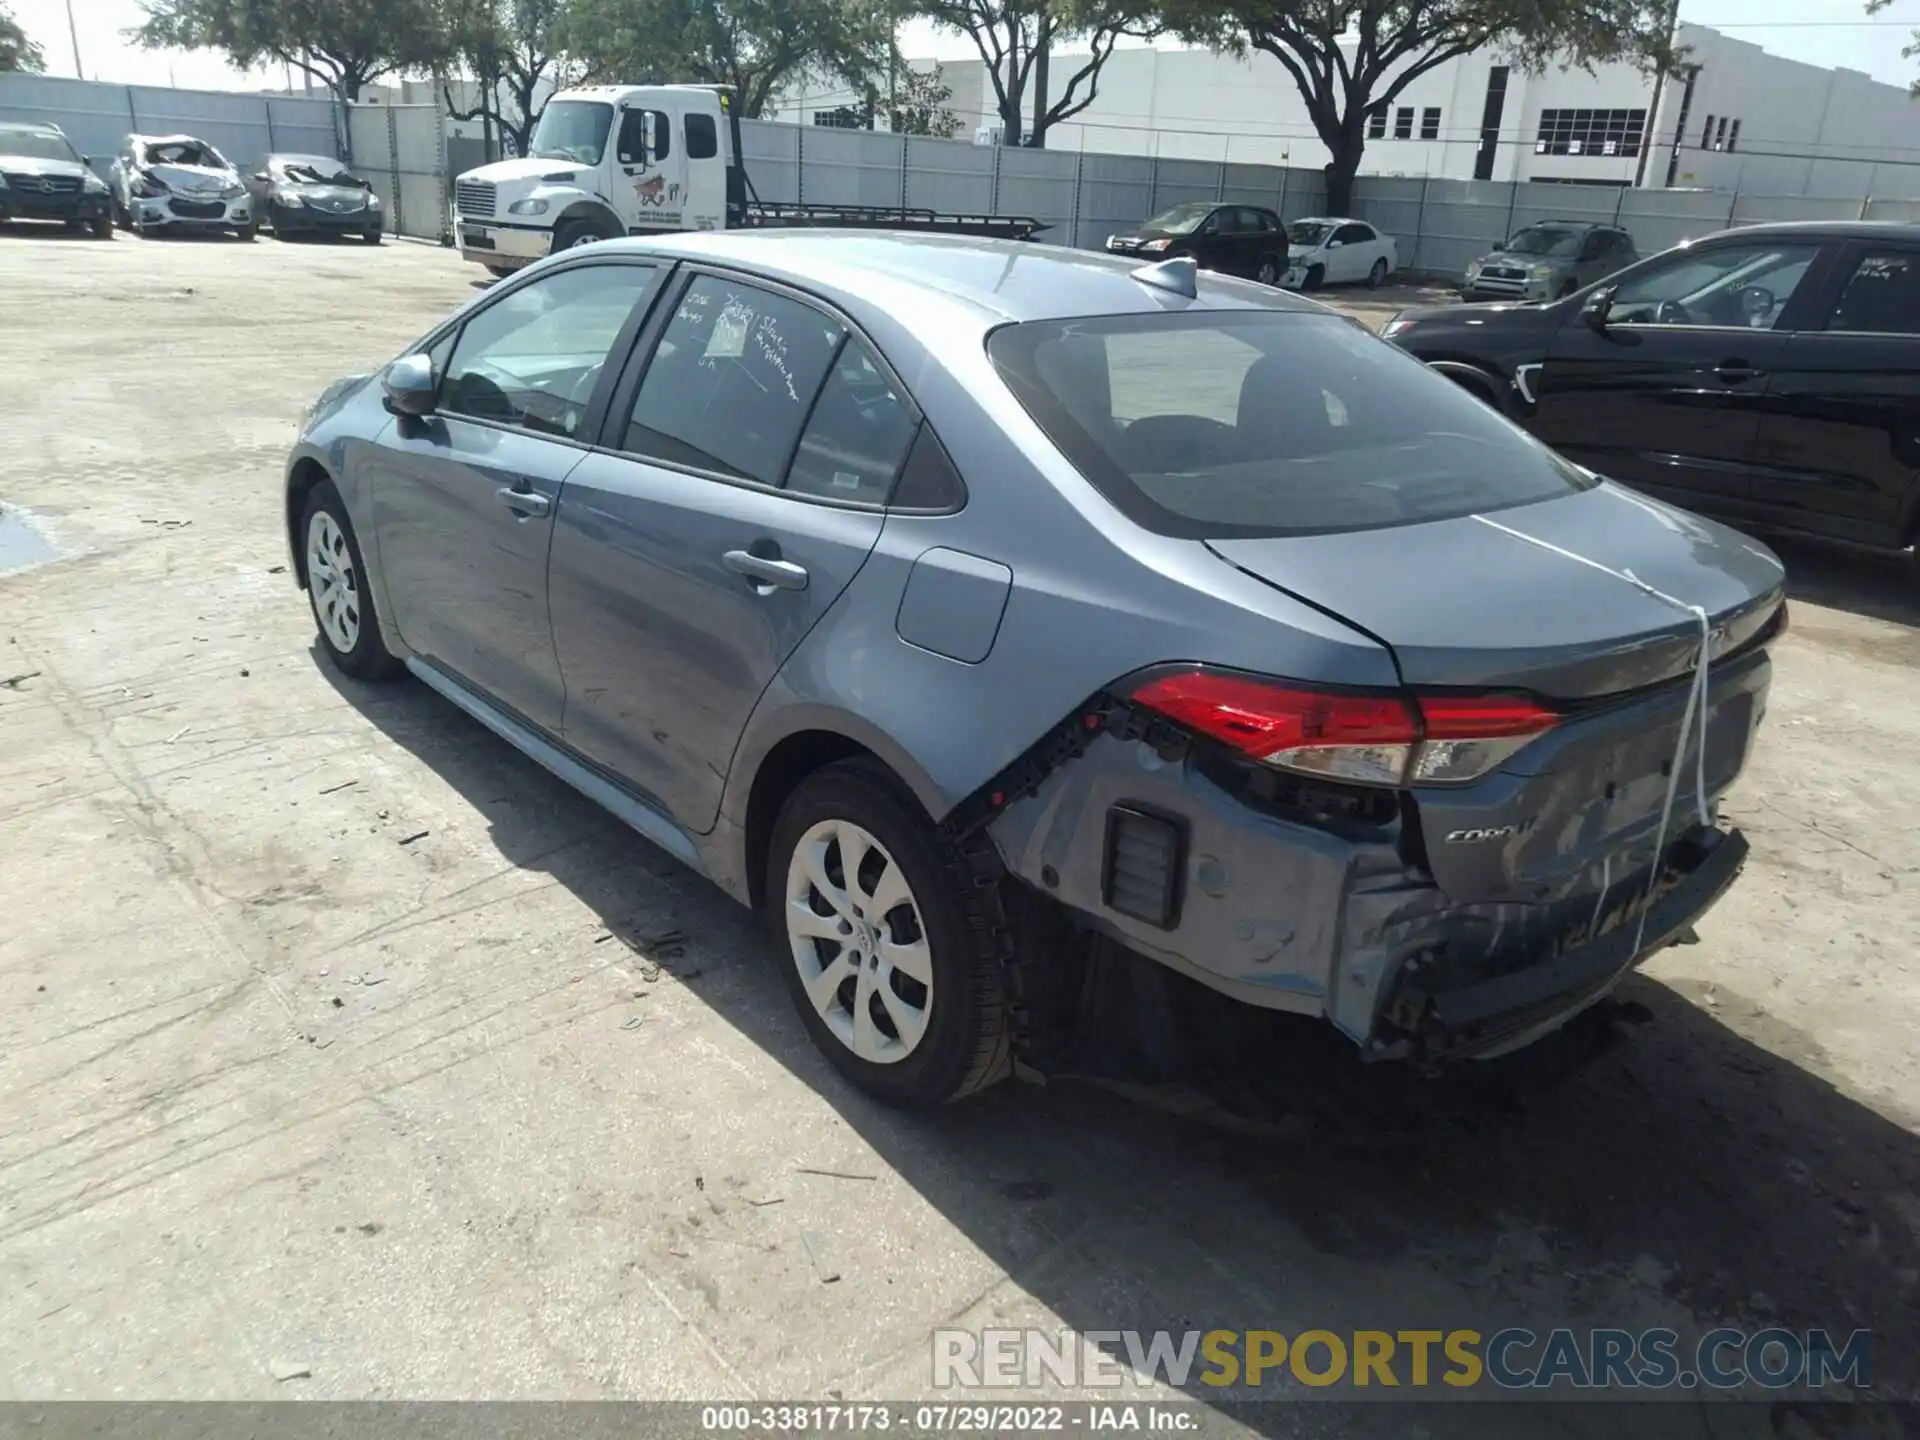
{"x":1839,"y":446}
{"x":738,"y":489}
{"x":1668,"y":394}
{"x":1354,"y":255}
{"x":464,"y":499}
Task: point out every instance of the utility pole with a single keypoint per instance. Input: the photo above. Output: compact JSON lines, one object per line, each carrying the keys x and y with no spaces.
{"x":73,"y":30}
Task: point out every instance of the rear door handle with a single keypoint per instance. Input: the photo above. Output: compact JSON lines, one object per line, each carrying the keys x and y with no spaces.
{"x":527,"y":502}
{"x":763,"y":570}
{"x":1738,"y":372}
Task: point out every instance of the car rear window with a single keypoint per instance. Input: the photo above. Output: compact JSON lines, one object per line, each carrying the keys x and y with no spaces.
{"x":1223,"y":424}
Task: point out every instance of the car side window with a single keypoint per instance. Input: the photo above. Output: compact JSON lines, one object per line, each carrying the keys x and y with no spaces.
{"x":1220,"y":222}
{"x":1882,"y":297}
{"x":630,"y":145}
{"x":1355,"y":234}
{"x":1264,"y":220}
{"x":857,"y":435}
{"x":1733,"y":286}
{"x":732,"y":382}
{"x":532,"y":358}
{"x":703,"y":140}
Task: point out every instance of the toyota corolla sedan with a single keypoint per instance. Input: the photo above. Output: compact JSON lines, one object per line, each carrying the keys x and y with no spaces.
{"x":931,"y":595}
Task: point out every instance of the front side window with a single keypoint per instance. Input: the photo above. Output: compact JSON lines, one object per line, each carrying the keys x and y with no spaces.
{"x":533,"y":357}
{"x":574,"y":130}
{"x":1747,"y":286}
{"x":1883,"y":297}
{"x":1227,"y":222}
{"x":732,"y":381}
{"x":1240,"y":423}
{"x":1180,"y":220}
{"x":1308,"y":233}
{"x":1355,"y":234}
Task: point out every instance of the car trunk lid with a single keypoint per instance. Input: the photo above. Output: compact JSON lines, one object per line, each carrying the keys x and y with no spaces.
{"x":1518,"y":601}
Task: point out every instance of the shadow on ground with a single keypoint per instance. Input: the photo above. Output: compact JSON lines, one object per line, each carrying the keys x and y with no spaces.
{"x":1651,"y":1141}
{"x":1882,"y":587}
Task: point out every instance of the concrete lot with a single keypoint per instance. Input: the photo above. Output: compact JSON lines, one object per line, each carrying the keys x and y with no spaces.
{"x":505,"y":1109}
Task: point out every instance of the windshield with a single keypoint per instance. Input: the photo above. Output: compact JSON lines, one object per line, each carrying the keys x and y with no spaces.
{"x":314,"y":170}
{"x":185,"y":152}
{"x":1546,"y":240}
{"x":1180,"y":220}
{"x":1308,"y":232}
{"x":573,"y":130}
{"x":37,"y":145}
{"x":1228,"y":424}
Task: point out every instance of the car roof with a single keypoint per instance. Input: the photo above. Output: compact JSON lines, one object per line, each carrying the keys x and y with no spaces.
{"x":1823,"y":230}
{"x":998,"y":280}
{"x":300,"y":157}
{"x":170,"y":140}
{"x":1331,"y":220}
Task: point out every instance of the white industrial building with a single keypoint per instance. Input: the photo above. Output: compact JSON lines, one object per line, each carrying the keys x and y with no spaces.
{"x":1738,"y":119}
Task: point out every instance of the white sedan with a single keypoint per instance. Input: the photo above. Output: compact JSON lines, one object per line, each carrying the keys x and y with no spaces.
{"x":1324,"y":251}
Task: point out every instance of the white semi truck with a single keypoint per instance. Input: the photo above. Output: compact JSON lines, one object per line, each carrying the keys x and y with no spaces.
{"x":614,"y":160}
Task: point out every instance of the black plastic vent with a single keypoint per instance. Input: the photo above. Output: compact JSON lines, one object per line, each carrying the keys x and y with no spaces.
{"x":1145,"y":859}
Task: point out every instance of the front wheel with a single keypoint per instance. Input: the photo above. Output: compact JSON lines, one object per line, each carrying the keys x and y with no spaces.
{"x":336,"y":577}
{"x":1377,"y":276}
{"x":883,"y":943}
{"x":575,"y":233}
{"x":102,"y":228}
{"x":373,"y":237}
{"x":246,"y":232}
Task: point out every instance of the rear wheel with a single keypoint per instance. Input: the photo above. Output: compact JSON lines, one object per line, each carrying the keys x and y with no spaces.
{"x":1377,"y":276}
{"x":337,"y":587}
{"x":1269,"y":271}
{"x":883,"y":945}
{"x":1315,"y":278}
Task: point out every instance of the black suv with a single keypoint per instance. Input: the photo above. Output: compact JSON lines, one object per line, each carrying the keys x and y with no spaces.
{"x":1233,"y":239}
{"x":1768,"y":375}
{"x":42,"y":177}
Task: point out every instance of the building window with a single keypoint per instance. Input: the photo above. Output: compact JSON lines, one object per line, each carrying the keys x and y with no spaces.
{"x":1430,"y":123}
{"x":1720,"y":140}
{"x":1591,"y":132}
{"x":1490,"y":122}
{"x":1377,"y":125}
{"x":1403,"y":123}
{"x":1733,"y":136}
{"x":1706,"y":135}
{"x":845,"y":117}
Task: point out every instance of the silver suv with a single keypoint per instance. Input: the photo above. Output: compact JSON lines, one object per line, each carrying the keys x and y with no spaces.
{"x":1549,"y":259}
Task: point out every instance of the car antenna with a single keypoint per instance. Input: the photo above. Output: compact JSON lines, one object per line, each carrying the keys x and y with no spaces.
{"x":1180,"y":275}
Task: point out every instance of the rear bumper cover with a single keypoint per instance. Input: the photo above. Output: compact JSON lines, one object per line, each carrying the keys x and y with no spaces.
{"x":1464,"y":1021}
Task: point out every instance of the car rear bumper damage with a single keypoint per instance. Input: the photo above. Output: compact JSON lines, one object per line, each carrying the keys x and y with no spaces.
{"x":1321,"y":901}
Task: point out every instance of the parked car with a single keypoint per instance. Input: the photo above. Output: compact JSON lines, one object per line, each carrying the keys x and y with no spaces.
{"x":296,"y":195}
{"x":1187,"y":619}
{"x":1549,"y":260}
{"x":42,"y":177}
{"x":175,"y":182}
{"x":1232,"y":239}
{"x":1338,"y":251}
{"x":1764,"y":375}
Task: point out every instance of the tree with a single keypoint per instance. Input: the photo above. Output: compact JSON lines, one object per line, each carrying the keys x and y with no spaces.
{"x":918,"y":104}
{"x":1873,"y":7}
{"x":17,"y":52}
{"x":344,"y":44}
{"x":1351,"y":59}
{"x":754,"y":46}
{"x":1016,"y":40}
{"x":512,"y":49}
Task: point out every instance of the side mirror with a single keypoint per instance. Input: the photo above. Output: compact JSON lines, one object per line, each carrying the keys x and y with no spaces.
{"x":409,"y":386}
{"x":1598,"y":306}
{"x":1335,"y":243}
{"x":1499,"y":246}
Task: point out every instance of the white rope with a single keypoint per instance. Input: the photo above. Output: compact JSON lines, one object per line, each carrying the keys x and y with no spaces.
{"x":1697,"y":701}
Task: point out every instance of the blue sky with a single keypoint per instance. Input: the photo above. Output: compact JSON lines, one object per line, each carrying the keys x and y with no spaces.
{"x":1820,"y":32}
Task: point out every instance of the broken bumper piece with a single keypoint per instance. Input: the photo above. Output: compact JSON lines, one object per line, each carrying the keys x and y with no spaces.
{"x":1485,"y":1017}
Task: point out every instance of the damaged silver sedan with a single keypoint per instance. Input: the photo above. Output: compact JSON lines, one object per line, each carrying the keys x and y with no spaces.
{"x":953,"y":602}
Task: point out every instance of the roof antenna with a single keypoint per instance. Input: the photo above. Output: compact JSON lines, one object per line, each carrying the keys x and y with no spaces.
{"x":1178,"y":275}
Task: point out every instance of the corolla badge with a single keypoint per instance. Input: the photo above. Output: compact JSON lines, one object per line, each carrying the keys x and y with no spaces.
{"x":1481,"y":834}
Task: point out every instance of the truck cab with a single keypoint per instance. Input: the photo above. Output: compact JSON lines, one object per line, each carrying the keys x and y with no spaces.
{"x":605,"y":161}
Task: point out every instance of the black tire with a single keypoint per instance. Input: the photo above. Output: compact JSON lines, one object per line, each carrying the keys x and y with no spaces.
{"x":374,"y":237}
{"x":1377,"y":276}
{"x":121,"y":218}
{"x":499,"y":272}
{"x":102,"y":228}
{"x":1479,"y":384}
{"x":580,"y":232}
{"x":246,"y":233}
{"x":368,"y":658}
{"x":967,"y":1042}
{"x":1316,"y":277}
{"x":1269,"y":271}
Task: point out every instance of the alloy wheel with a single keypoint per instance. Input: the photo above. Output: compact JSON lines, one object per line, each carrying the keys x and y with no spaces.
{"x":333,"y":581}
{"x":858,"y":941}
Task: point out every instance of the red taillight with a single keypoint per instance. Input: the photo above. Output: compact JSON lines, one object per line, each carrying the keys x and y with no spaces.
{"x":1365,"y":737}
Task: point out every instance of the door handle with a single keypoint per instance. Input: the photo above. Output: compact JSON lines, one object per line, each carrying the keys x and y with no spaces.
{"x":765,"y":570}
{"x":1738,"y":372}
{"x":528,"y":503}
